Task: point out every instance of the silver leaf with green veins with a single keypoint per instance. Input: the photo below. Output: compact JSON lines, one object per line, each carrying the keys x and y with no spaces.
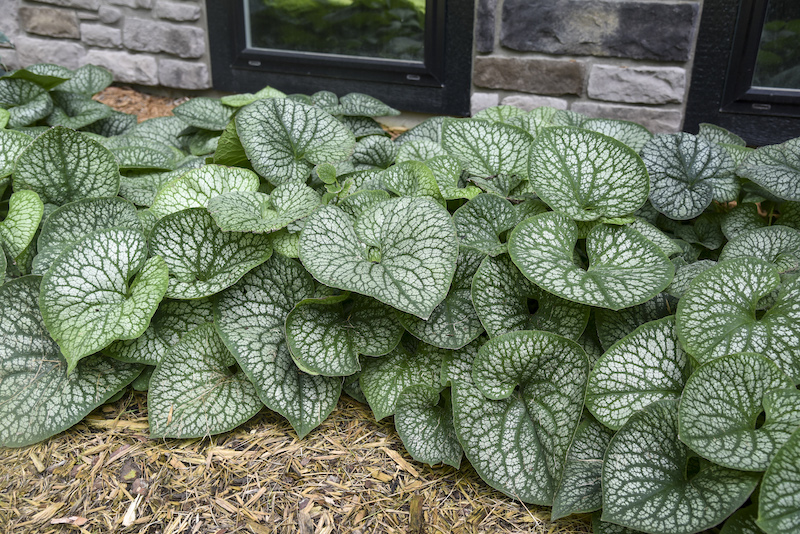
{"x":250,"y":318}
{"x":193,"y":392}
{"x":12,"y":143}
{"x":412,"y":179}
{"x":25,"y":101}
{"x":448,"y":174}
{"x":75,"y":111}
{"x":779,"y":500}
{"x":205,"y":113}
{"x":614,"y":325}
{"x":424,"y":422}
{"x":202,"y":259}
{"x":101,"y":289}
{"x":517,"y":420}
{"x":778,"y":245}
{"x":402,"y":252}
{"x":481,"y":220}
{"x":647,"y":485}
{"x":776,"y":168}
{"x":25,"y":210}
{"x":586,"y":175}
{"x":487,"y":148}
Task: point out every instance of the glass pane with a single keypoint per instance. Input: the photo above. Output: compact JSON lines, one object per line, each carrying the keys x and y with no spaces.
{"x":778,"y":62}
{"x":388,"y":29}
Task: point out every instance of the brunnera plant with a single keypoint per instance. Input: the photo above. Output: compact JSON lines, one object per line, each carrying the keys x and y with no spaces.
{"x":597,"y":319}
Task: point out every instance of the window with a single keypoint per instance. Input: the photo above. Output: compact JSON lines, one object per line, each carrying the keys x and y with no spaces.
{"x":415,"y":55}
{"x":746,"y":74}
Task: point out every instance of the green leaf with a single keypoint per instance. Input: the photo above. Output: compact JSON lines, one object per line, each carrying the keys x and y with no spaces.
{"x":101,"y":289}
{"x":145,"y":158}
{"x":45,"y":75}
{"x":384,"y":379}
{"x":172,"y":320}
{"x":87,"y":80}
{"x":205,"y":113}
{"x":62,"y":166}
{"x":719,"y":135}
{"x":506,"y":301}
{"x":779,"y":499}
{"x":722,"y":402}
{"x":615,"y":325}
{"x":38,"y":399}
{"x":517,"y":421}
{"x":536,"y":120}
{"x":790,"y":215}
{"x":202,"y":259}
{"x":743,"y":521}
{"x":4,"y":117}
{"x":448,"y":174}
{"x":117,"y":123}
{"x":362,"y":126}
{"x":684,"y":274}
{"x":25,"y":101}
{"x":487,"y":149}
{"x":326,"y":335}
{"x":402,"y":252}
{"x":601,"y":527}
{"x":230,"y":150}
{"x":361,"y":105}
{"x":705,"y":230}
{"x":481,"y":221}
{"x":75,"y":111}
{"x":648,"y":486}
{"x":778,"y":245}
{"x":196,"y":187}
{"x":719,"y":314}
{"x":740,"y":219}
{"x":580,"y":489}
{"x":250,"y":318}
{"x":424,"y":421}
{"x":412,"y":179}
{"x":776,"y":168}
{"x":193,"y":392}
{"x":17,"y":230}
{"x":160,"y":130}
{"x":256,"y":212}
{"x":564,"y":117}
{"x":286,"y":243}
{"x":284,"y":139}
{"x":454,"y":322}
{"x":628,"y":133}
{"x":624,"y":269}
{"x":420,"y":150}
{"x":646,"y":366}
{"x":374,"y":151}
{"x":72,"y":222}
{"x":428,"y":129}
{"x":586,"y":175}
{"x":651,"y":232}
{"x":12,"y":144}
{"x":502,"y":113}
{"x":141,"y":188}
{"x":203,"y":142}
{"x":241,"y":100}
{"x":360,"y":201}
{"x":687,"y":173}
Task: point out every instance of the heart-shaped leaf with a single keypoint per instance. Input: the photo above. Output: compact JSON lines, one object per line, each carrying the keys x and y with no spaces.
{"x":646,"y":366}
{"x":402,"y":252}
{"x":742,"y":218}
{"x":629,"y":133}
{"x":689,"y":500}
{"x":617,"y":277}
{"x":101,"y":289}
{"x":72,"y":222}
{"x":117,"y":123}
{"x":193,"y":392}
{"x":776,"y":168}
{"x":241,"y":100}
{"x":202,"y":259}
{"x":428,"y":129}
{"x":12,"y":143}
{"x":374,"y":151}
{"x":75,"y":111}
{"x":62,"y":166}
{"x":684,"y":274}
{"x":779,"y":499}
{"x":38,"y":399}
{"x":717,"y":134}
{"x":260,"y":213}
{"x":719,"y":314}
{"x":25,"y":210}
{"x":448,"y":174}
{"x":778,"y":245}
{"x":250,"y":317}
{"x":205,"y":113}
{"x":481,"y":221}
{"x":87,"y":80}
{"x":284,"y":139}
{"x":528,"y":389}
{"x":326,"y":335}
{"x":454,"y":322}
{"x":651,"y":232}
{"x":25,"y":101}
{"x":363,"y":126}
{"x":424,"y":421}
{"x":502,"y":113}
{"x":160,"y":130}
{"x":687,"y":173}
{"x":615,"y":325}
{"x":420,"y":150}
{"x":361,"y":105}
{"x":743,"y":521}
{"x":536,"y":120}
{"x":411,"y":179}
{"x":722,"y":402}
{"x":586,"y":175}
{"x":172,"y":320}
{"x":46,"y":75}
{"x":196,"y":187}
{"x":487,"y":149}
{"x":506,"y":301}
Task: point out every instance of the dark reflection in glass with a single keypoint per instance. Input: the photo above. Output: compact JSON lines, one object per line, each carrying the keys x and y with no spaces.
{"x":778,"y":62}
{"x":387,"y":29}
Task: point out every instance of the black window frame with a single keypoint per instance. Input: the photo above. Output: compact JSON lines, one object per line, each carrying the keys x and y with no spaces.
{"x":721,"y":90}
{"x":440,"y":84}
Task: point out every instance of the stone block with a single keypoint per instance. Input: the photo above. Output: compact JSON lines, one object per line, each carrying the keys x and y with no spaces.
{"x":177,"y":11}
{"x":660,"y":30}
{"x":65,"y":53}
{"x":481,"y":101}
{"x":539,"y":76}
{"x":128,"y":68}
{"x":101,"y":35}
{"x":183,"y":74}
{"x":61,"y":23}
{"x":145,"y":35}
{"x":92,"y":5}
{"x":109,"y":15}
{"x":639,"y":85}
{"x":654,"y":119}
{"x":529,"y":102}
{"x":135,"y":4}
{"x":88,"y":15}
{"x":485,"y":21}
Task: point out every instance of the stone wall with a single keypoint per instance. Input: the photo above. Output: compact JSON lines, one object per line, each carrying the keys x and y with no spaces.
{"x":147,"y":42}
{"x":621,"y":59}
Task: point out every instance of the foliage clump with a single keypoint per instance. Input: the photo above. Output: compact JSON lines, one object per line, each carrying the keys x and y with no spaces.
{"x":595,"y":317}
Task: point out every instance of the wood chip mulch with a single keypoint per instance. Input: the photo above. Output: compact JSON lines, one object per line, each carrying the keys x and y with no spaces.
{"x":350,"y":475}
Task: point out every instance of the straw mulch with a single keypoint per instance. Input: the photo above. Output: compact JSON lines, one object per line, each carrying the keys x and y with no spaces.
{"x":351,"y":475}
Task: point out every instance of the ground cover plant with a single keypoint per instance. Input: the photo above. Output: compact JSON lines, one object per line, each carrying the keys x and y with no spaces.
{"x":597,"y":319}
